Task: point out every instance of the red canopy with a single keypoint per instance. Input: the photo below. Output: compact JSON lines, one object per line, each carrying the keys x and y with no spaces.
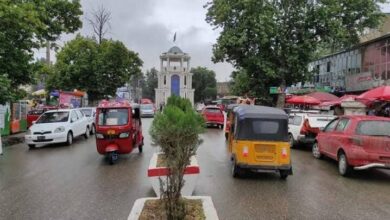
{"x":338,"y":102}
{"x":303,"y":100}
{"x":380,"y":93}
{"x":323,"y":96}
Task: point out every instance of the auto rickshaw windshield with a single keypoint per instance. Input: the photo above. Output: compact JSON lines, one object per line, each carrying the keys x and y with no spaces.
{"x":112,"y":117}
{"x":262,"y":129}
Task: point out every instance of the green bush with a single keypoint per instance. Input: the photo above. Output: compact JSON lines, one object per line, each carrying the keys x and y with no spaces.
{"x":176,"y":130}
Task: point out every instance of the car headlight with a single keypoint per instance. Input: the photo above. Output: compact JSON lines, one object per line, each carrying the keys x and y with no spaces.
{"x":99,"y":136}
{"x":124,"y":135}
{"x":28,"y":132}
{"x":59,"y":129}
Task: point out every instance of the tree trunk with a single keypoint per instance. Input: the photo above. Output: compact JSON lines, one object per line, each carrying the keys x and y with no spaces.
{"x":281,"y":96}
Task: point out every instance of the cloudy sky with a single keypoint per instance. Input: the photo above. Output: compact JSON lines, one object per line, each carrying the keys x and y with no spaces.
{"x":147,"y":27}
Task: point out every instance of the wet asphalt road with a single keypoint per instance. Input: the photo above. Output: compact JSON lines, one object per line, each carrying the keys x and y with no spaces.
{"x":60,"y":182}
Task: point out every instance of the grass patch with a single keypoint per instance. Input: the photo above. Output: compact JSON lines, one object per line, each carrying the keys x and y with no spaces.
{"x":154,"y":209}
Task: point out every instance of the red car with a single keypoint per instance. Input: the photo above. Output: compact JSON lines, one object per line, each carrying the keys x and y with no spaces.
{"x":213,"y":116}
{"x":356,"y":142}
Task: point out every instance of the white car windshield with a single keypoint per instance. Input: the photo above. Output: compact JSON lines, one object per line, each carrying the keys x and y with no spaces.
{"x":147,"y":107}
{"x":53,"y":117}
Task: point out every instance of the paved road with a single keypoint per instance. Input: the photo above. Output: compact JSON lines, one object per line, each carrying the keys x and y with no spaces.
{"x":60,"y":182}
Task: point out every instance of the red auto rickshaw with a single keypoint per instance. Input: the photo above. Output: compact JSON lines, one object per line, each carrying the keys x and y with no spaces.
{"x":118,"y":129}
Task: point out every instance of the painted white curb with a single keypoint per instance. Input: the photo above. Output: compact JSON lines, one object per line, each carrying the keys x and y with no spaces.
{"x":190,"y":180}
{"x":207,"y":202}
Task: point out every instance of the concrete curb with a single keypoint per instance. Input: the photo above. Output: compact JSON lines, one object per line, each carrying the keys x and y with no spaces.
{"x":207,"y":202}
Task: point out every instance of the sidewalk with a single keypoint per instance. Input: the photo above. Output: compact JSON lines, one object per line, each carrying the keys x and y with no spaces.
{"x":13,"y":139}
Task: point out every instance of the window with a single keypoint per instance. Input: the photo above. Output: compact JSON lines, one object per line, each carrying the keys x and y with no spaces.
{"x":373,"y":128}
{"x":331,"y":125}
{"x":185,"y":80}
{"x":165,"y":80}
{"x":262,"y":129}
{"x":328,"y":66}
{"x":87,"y":112}
{"x":297,"y":120}
{"x":213,"y":110}
{"x":79,"y":114}
{"x":73,"y":116}
{"x":342,"y":124}
{"x":52,"y":117}
{"x":113,"y":117}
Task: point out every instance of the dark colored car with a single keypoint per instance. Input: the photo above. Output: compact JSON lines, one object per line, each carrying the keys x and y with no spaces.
{"x":356,"y":142}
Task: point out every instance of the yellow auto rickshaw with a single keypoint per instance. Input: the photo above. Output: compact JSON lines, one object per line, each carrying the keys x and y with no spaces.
{"x":258,"y":140}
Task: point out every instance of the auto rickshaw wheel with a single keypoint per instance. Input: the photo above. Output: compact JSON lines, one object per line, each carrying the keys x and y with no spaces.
{"x":226,"y":136}
{"x":112,"y":157}
{"x":291,"y":140}
{"x":236,"y":170}
{"x":140,"y":148}
{"x":283,"y":174}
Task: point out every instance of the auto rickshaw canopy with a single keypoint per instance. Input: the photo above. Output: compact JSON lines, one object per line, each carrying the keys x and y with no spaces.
{"x":253,"y":111}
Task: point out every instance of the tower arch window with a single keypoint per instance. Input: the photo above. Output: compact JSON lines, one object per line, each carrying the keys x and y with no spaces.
{"x":165,"y":80}
{"x":185,"y":80}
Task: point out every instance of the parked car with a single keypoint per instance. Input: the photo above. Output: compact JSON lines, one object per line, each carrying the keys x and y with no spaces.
{"x":147,"y":110}
{"x":304,"y":127}
{"x":213,"y":116}
{"x":90,"y":114}
{"x":57,"y":126}
{"x":356,"y":142}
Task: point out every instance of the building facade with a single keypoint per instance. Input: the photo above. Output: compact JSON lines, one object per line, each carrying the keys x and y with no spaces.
{"x":363,"y":67}
{"x":174,"y":77}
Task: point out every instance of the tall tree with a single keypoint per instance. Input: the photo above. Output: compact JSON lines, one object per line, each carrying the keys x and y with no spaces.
{"x":98,"y":69}
{"x":204,"y":83}
{"x":150,"y":84}
{"x":275,"y":40}
{"x":27,"y":25}
{"x":100,"y":22}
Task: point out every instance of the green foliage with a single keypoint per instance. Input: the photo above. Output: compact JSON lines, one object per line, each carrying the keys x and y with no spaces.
{"x":176,"y":130}
{"x":275,"y":40}
{"x":24,"y":26}
{"x":151,"y":83}
{"x":5,"y":92}
{"x":96,"y":68}
{"x":204,"y":83}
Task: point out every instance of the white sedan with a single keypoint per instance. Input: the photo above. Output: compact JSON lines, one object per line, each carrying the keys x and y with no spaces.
{"x":58,"y":126}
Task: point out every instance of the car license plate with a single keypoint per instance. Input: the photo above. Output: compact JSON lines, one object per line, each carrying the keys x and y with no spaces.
{"x":41,"y":138}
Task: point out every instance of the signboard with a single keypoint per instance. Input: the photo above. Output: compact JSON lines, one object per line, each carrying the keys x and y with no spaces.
{"x":3,"y":110}
{"x":70,"y":100}
{"x":275,"y":90}
{"x":361,"y":82}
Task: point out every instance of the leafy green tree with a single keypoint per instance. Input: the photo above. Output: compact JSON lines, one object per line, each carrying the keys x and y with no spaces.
{"x":204,"y":83}
{"x":275,"y":40}
{"x":176,"y":130}
{"x":5,"y":90}
{"x":27,"y":25}
{"x":150,"y":84}
{"x":96,"y":68}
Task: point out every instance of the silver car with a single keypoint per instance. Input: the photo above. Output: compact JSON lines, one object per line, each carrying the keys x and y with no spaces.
{"x":90,"y":114}
{"x":147,"y":110}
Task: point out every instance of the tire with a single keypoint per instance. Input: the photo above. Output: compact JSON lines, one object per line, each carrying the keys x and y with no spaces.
{"x":344,"y":168}
{"x":87,"y":132}
{"x":226,"y":136}
{"x":140,"y":148}
{"x":236,"y":170}
{"x":291,"y":140}
{"x":283,"y":174}
{"x":112,"y":157}
{"x":93,"y":130}
{"x":221,"y":127}
{"x":69,"y":138}
{"x":31,"y":146}
{"x":316,"y":151}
